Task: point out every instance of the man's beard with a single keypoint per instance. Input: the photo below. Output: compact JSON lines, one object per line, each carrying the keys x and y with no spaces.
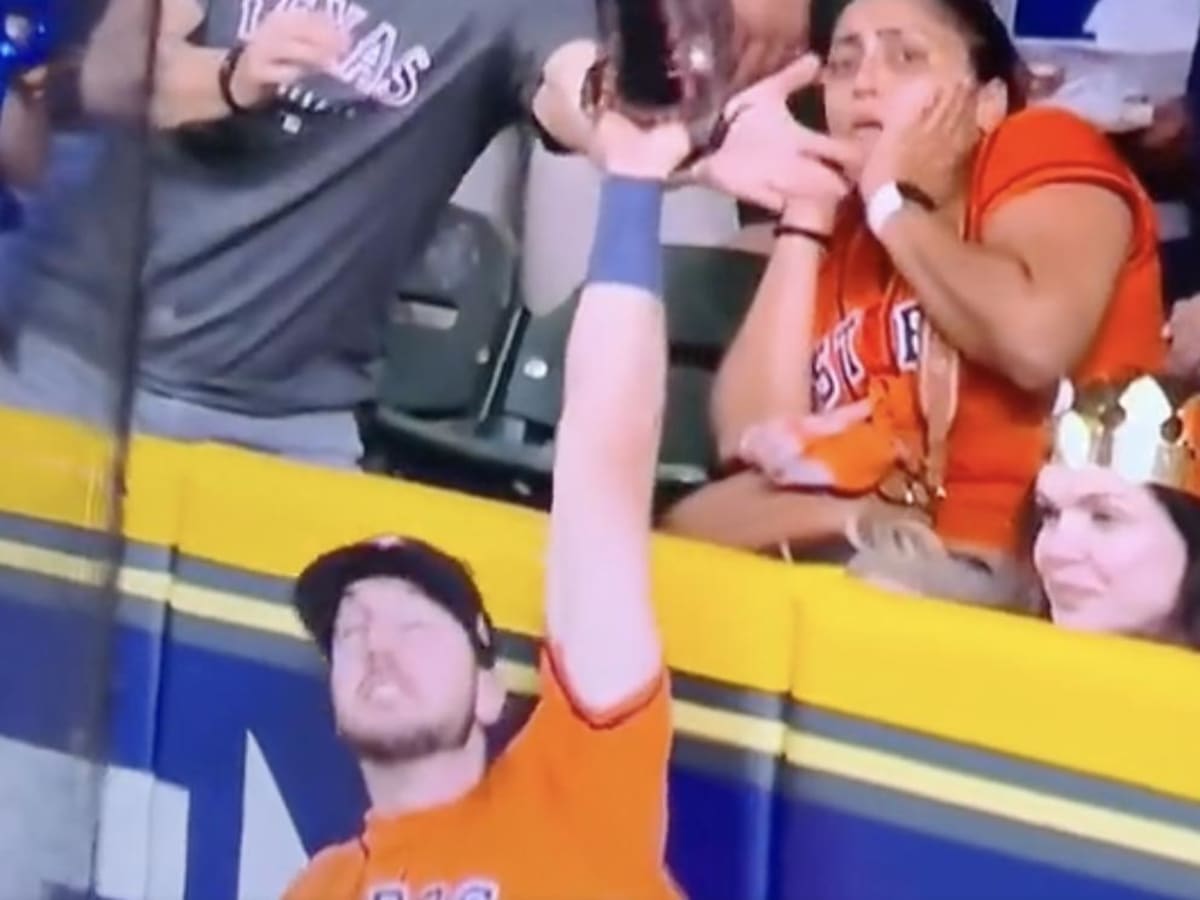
{"x":417,"y":744}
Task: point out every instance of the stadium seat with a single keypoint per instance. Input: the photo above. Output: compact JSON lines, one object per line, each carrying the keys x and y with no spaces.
{"x":453,"y":318}
{"x":448,"y":319}
{"x":508,"y":453}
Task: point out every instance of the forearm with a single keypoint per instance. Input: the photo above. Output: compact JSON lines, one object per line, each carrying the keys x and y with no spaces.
{"x":187,"y":90}
{"x":558,"y":102}
{"x":598,"y":606}
{"x":614,"y":394}
{"x":982,"y":300}
{"x":767,"y":371}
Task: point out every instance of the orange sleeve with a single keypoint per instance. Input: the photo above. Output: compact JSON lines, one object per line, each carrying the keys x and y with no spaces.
{"x":606,"y":769}
{"x":1038,"y":147}
{"x":333,"y":874}
{"x":1041,"y":146}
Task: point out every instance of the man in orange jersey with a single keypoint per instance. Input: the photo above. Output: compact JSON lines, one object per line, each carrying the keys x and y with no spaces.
{"x":576,"y":807}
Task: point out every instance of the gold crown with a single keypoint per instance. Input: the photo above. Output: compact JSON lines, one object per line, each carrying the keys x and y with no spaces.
{"x":1144,"y":428}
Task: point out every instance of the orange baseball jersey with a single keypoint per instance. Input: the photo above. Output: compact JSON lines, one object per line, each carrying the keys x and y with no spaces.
{"x":575,"y":807}
{"x":868,"y":324}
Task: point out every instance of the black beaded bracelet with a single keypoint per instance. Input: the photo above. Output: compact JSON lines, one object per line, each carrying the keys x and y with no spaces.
{"x":817,"y":237}
{"x":914,"y":194}
{"x":225,"y":80}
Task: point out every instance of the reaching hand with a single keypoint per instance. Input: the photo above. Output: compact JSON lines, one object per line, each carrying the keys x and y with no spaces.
{"x":926,"y":140}
{"x":290,"y":44}
{"x":629,"y":149}
{"x":779,"y":448}
{"x":768,"y":158}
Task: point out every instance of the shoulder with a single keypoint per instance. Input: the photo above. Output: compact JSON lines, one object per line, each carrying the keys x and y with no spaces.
{"x":1042,"y":146}
{"x":1047,"y":137}
{"x":1034,"y":120}
{"x":326,"y":871}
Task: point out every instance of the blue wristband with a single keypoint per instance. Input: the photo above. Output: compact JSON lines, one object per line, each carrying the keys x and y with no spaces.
{"x":626,"y":249}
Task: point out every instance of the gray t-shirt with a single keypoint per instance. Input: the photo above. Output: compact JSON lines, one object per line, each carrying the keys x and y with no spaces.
{"x":273,"y":244}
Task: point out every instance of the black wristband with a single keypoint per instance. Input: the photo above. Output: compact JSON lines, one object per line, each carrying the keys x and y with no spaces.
{"x":914,"y":194}
{"x":817,"y":237}
{"x":225,"y":80}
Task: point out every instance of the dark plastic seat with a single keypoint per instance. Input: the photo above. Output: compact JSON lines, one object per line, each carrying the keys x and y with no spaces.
{"x":451,"y":316}
{"x":507,"y":451}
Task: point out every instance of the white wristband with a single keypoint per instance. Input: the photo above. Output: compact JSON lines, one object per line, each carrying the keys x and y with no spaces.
{"x":883,"y":204}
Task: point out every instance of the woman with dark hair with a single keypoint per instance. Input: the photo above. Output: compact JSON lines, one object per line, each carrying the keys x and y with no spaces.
{"x":1115,"y":539}
{"x":902,"y":353}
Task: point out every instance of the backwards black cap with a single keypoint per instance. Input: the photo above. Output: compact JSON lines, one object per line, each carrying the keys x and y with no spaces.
{"x":445,"y":580}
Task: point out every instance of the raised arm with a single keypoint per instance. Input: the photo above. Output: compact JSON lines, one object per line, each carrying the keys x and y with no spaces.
{"x":600,"y":621}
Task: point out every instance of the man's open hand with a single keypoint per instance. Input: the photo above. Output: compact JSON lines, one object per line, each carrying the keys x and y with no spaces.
{"x":290,"y":44}
{"x":767,"y":157}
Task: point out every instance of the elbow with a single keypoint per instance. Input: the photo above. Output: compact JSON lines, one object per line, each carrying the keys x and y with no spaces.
{"x":727,"y":431}
{"x":725,"y":420}
{"x":1035,"y":377}
{"x":1034,"y":372}
{"x":1033,"y":363}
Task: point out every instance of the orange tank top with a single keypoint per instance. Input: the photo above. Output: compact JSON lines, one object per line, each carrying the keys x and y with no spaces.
{"x":868,"y":324}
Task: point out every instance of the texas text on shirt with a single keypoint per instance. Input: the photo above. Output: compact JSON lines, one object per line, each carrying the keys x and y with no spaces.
{"x":576,"y":807}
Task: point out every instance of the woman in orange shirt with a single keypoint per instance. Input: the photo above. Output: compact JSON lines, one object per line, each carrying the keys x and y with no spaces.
{"x":979,"y":253}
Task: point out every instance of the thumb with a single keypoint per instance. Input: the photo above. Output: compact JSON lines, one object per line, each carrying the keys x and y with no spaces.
{"x":837,"y":420}
{"x":799,"y":73}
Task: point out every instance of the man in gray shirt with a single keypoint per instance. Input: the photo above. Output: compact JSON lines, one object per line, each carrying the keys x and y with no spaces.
{"x":289,"y":181}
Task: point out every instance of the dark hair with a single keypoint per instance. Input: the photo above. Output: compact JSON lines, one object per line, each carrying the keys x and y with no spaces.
{"x":1184,"y":513}
{"x":994,"y":56}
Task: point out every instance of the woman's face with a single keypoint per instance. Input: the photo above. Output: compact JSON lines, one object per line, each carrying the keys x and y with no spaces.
{"x":880,"y":47}
{"x":1109,"y":557}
